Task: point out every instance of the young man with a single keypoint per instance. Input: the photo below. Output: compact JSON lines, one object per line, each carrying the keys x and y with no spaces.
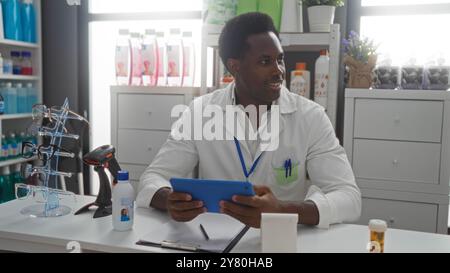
{"x":305,"y":141}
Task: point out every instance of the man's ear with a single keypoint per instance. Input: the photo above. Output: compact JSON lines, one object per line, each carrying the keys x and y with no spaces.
{"x":233,"y":66}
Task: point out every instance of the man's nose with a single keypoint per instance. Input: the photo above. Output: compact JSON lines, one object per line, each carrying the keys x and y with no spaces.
{"x":278,"y":69}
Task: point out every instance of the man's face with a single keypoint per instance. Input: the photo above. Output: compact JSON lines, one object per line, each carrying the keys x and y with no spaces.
{"x":260,"y":72}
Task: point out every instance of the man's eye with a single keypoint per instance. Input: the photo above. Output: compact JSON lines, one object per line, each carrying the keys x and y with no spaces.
{"x":280,"y":61}
{"x":265,"y":62}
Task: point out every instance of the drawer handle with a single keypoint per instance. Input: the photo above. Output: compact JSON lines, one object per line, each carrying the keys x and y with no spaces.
{"x":395,"y":162}
{"x":397,"y":119}
{"x":149,"y":149}
{"x":391,"y":220}
{"x":149,"y":113}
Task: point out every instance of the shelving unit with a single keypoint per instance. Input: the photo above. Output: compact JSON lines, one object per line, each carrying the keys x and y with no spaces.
{"x":18,"y":43}
{"x":141,"y":121}
{"x":12,"y":122}
{"x":16,"y":161}
{"x":291,"y":42}
{"x":398,"y":143}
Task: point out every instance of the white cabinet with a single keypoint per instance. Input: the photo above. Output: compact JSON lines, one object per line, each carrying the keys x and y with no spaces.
{"x":398,"y":143}
{"x":141,"y":122}
{"x":20,"y":122}
{"x":297,"y":42}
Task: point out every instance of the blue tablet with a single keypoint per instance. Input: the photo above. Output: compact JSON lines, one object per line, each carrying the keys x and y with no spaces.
{"x":211,"y":192}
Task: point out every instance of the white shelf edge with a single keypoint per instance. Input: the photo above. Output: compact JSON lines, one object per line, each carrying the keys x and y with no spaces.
{"x":19,"y":77}
{"x":397,"y":94}
{"x":18,"y":43}
{"x":156,"y":89}
{"x":16,"y":161}
{"x":288,"y":39}
{"x":15,"y":116}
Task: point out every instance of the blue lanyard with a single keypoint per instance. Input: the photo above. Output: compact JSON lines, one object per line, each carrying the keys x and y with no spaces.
{"x":241,"y":158}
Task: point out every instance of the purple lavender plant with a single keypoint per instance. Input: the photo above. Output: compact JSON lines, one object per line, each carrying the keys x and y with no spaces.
{"x":359,"y":48}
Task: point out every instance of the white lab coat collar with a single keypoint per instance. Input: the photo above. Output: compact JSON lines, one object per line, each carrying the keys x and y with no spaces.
{"x":287,"y":103}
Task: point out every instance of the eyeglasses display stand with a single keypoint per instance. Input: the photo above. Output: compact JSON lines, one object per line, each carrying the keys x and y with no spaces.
{"x":47,"y":200}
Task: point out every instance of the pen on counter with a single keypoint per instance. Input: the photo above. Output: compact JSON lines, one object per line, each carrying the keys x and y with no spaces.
{"x":204,"y":232}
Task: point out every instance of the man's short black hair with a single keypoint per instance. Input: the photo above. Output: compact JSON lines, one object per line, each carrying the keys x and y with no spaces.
{"x":233,"y":39}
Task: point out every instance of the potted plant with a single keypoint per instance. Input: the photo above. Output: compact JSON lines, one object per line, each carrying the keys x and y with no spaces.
{"x":360,"y":58}
{"x":321,"y":13}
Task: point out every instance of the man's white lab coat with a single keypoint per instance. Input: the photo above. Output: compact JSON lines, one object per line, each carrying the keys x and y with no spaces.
{"x":306,"y":136}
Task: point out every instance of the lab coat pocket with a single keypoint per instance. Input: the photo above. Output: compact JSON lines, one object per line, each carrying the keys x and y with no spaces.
{"x":286,"y":176}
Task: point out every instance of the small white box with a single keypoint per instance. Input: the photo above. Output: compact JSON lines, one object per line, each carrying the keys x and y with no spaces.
{"x":279,"y":232}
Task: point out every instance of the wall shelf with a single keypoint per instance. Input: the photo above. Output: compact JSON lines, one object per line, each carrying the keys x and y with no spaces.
{"x":291,"y":42}
{"x":156,"y":89}
{"x":16,"y":116}
{"x":16,"y":161}
{"x":19,"y":77}
{"x":18,"y":43}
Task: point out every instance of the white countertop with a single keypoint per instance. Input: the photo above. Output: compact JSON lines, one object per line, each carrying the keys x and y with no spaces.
{"x":26,"y":234}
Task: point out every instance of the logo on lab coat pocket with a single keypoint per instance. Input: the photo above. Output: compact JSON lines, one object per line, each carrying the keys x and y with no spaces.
{"x":285,"y":166}
{"x":286,"y":175}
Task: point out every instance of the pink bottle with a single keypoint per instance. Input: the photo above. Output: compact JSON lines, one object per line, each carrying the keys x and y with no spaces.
{"x":149,"y":55}
{"x":123,"y":58}
{"x":174,"y":58}
{"x":162,"y":59}
{"x":136,"y":59}
{"x":188,"y":59}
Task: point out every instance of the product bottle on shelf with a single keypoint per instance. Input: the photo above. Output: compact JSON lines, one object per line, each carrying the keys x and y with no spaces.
{"x":28,"y":16}
{"x":31,"y":97}
{"x":149,"y":58}
{"x":188,"y":59}
{"x":2,"y":105}
{"x":19,"y":139}
{"x":174,"y":58}
{"x":26,"y":67}
{"x":11,"y":20}
{"x":21,"y":98}
{"x":10,"y":99}
{"x":2,"y":31}
{"x":13,"y":147}
{"x":17,"y":62}
{"x":9,"y":185}
{"x":298,"y":83}
{"x":226,"y":78}
{"x":5,"y":149}
{"x":322,"y":77}
{"x":1,"y":61}
{"x":123,"y":58}
{"x":136,"y":60}
{"x":2,"y":189}
{"x":306,"y":75}
{"x":162,"y":59}
{"x":7,"y":66}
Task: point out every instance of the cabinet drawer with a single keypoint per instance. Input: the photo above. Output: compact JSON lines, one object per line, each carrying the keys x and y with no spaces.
{"x":135,"y":171}
{"x":394,"y":160}
{"x":398,"y":119}
{"x":146,"y":111}
{"x":139,"y":147}
{"x":400,"y":214}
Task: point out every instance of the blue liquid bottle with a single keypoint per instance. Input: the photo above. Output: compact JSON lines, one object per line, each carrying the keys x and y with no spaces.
{"x":11,"y":20}
{"x":28,"y":15}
